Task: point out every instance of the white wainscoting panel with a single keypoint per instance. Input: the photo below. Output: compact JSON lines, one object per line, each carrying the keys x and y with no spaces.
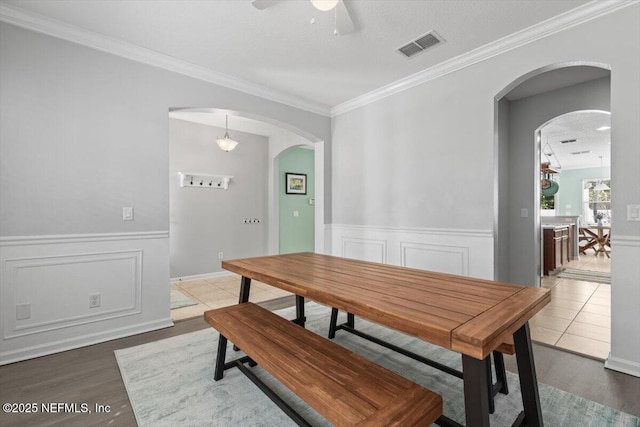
{"x":440,"y":258}
{"x":365,"y":249}
{"x":46,"y":283}
{"x":55,"y":276}
{"x":625,"y":300}
{"x":464,"y":252}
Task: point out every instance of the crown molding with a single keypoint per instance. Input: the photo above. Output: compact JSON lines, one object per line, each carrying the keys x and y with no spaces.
{"x":51,"y":27}
{"x":35,"y":22}
{"x":556,"y":24}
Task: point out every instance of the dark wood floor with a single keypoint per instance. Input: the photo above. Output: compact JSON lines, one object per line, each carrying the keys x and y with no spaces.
{"x":91,"y":375}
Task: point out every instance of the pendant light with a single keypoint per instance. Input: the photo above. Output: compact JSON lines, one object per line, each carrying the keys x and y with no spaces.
{"x":324,"y":5}
{"x":226,"y":143}
{"x":601,"y":186}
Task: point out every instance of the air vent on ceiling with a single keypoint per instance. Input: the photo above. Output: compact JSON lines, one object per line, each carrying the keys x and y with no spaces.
{"x":568,"y":141}
{"x":577,"y":153}
{"x":421,"y":44}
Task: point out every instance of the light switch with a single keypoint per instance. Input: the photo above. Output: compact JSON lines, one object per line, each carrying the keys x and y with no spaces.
{"x":524,"y":213}
{"x":633,"y":212}
{"x":296,"y":213}
{"x":127,"y":214}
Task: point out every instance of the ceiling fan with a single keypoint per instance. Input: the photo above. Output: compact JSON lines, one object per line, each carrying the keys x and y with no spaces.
{"x":344,"y":23}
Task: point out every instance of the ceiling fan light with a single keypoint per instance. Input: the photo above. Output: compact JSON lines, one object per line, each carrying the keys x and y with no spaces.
{"x":324,"y":5}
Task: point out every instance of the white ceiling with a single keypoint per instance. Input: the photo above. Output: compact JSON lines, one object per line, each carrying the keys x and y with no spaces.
{"x":279,"y":50}
{"x":583,"y":127}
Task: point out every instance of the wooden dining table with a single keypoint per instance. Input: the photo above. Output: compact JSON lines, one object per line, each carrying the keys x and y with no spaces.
{"x":597,"y":238}
{"x":467,"y":315}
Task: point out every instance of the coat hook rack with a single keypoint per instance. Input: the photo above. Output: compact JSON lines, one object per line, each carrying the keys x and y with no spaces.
{"x":204,"y":181}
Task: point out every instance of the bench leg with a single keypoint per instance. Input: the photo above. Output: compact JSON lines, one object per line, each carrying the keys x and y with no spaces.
{"x":220,"y":358}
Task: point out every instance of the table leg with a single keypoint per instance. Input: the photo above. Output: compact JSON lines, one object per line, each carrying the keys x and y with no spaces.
{"x":245,"y":287}
{"x":300,"y":318}
{"x":351,"y":319}
{"x":333,"y":323}
{"x":220,"y":358}
{"x":528,"y":378}
{"x":476,"y":391}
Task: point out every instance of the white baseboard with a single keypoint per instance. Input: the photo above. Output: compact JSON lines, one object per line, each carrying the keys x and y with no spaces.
{"x":202,"y":276}
{"x":624,"y":366}
{"x":81,"y":341}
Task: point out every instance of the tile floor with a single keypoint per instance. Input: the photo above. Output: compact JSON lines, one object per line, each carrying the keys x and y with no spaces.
{"x":219,"y":292}
{"x":578,"y":318}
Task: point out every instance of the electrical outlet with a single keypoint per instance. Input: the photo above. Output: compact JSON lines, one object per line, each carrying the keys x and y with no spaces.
{"x":220,"y":255}
{"x":94,"y":300}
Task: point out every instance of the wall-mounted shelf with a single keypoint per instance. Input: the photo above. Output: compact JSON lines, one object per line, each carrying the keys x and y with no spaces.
{"x":204,"y":181}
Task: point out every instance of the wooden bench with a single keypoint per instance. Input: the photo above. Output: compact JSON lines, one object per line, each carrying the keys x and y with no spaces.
{"x":342,"y":386}
{"x":500,"y":386}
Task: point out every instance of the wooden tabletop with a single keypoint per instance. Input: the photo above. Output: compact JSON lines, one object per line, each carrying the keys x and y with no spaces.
{"x":467,"y":315}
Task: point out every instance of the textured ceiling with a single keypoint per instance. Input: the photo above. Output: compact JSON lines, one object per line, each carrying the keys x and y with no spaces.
{"x":280,"y":50}
{"x":590,"y":142}
{"x":277,"y":48}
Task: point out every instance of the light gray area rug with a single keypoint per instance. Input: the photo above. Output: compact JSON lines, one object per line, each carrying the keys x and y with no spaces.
{"x":586,"y":275}
{"x":179,"y":300}
{"x":170,"y":383}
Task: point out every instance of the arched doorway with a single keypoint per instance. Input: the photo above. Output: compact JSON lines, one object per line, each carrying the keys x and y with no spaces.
{"x":522,"y":110}
{"x":281,"y":136}
{"x":209,"y":224}
{"x":296,"y":199}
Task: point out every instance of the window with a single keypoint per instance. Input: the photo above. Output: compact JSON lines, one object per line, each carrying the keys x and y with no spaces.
{"x":547,"y":202}
{"x":596,"y":204}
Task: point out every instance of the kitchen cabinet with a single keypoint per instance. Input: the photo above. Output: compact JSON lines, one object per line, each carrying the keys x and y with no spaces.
{"x":557,"y":248}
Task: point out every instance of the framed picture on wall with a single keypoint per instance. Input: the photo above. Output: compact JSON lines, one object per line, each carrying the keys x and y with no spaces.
{"x":296,"y":183}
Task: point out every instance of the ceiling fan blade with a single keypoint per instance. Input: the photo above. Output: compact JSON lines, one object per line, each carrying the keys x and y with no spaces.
{"x":263,"y":4}
{"x":344,"y":24}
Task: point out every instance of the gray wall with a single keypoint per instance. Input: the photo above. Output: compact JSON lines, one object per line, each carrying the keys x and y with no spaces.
{"x":501,"y":226}
{"x":207,"y":221}
{"x":523,"y":164}
{"x":85,"y":133}
{"x":424,"y":157}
